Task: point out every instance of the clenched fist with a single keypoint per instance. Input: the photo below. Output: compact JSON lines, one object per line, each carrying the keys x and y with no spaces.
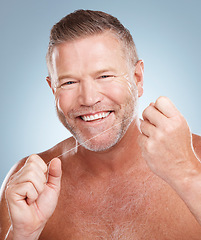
{"x":166,"y":141}
{"x":32,"y":195}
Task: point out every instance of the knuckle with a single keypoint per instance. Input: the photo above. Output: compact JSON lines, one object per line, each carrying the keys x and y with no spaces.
{"x":28,"y":175}
{"x":30,"y":165}
{"x":160,"y":100}
{"x":36,"y":160}
{"x":32,"y":158}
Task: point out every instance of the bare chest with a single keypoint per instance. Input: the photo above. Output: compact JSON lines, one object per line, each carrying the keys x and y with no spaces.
{"x":121,"y":211}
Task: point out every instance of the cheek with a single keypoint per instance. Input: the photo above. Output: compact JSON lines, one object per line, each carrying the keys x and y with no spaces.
{"x":119,"y":92}
{"x":64,"y":101}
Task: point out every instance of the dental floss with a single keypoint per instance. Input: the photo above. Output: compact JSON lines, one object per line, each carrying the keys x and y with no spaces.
{"x":80,"y":144}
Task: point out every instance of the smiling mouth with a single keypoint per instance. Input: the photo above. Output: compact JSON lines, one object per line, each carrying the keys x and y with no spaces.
{"x":96,"y":116}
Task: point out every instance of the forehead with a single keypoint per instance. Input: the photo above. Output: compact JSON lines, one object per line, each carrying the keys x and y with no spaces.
{"x":96,"y":51}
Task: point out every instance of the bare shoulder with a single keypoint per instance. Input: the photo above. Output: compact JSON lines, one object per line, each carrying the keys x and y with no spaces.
{"x":197,"y":144}
{"x":63,"y":148}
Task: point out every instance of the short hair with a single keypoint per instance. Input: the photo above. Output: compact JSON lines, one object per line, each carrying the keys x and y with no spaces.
{"x":84,"y":23}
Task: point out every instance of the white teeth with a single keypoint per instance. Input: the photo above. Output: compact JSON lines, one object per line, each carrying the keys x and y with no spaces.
{"x":95,"y":117}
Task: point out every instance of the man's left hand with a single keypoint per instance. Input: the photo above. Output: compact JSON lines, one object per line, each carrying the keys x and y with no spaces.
{"x":166,"y":141}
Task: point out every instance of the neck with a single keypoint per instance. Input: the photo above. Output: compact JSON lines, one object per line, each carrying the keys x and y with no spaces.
{"x":120,"y":159}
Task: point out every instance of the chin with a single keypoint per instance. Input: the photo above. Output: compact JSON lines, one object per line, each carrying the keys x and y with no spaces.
{"x":98,"y":146}
{"x":104,"y":142}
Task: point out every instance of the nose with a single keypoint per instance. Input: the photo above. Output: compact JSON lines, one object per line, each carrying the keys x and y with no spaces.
{"x":89,"y":93}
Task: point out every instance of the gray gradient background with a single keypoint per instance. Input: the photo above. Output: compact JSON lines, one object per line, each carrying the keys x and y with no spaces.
{"x":168,"y":38}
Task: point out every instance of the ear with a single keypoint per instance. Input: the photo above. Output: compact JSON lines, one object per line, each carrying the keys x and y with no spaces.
{"x":50,"y":83}
{"x":139,"y":76}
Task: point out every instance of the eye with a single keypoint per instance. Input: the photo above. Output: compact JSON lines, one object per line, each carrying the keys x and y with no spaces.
{"x":106,"y":76}
{"x":68,"y":83}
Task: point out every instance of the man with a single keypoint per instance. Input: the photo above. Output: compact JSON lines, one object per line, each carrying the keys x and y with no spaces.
{"x":121,"y":177}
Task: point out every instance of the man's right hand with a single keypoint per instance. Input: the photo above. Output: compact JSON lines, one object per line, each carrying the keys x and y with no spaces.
{"x":32,"y":194}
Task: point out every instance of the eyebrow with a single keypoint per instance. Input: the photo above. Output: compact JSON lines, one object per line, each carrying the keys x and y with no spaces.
{"x":98,"y":72}
{"x":65,"y":76}
{"x":104,"y":70}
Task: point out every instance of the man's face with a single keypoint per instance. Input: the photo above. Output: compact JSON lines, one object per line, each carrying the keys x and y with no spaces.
{"x":95,"y":92}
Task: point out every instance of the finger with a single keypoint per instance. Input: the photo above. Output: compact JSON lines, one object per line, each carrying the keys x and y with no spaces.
{"x":31,"y":168}
{"x":38,"y":179}
{"x":37,"y":160}
{"x":54,"y":174}
{"x":31,"y":172}
{"x":21,"y":192}
{"x":31,"y":194}
{"x":147,"y":128}
{"x":154,"y":116}
{"x":165,"y":106}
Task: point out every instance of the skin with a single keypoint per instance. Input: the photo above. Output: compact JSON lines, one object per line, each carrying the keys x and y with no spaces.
{"x":139,"y":182}
{"x":83,"y":89}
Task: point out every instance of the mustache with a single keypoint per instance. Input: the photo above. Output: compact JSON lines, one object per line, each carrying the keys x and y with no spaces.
{"x":91,"y":109}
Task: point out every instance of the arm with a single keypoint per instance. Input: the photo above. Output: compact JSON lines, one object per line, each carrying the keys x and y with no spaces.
{"x":28,"y":195}
{"x":166,"y":143}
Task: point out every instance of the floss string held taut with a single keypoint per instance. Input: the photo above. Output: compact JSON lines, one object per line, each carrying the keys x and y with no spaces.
{"x":80,"y":144}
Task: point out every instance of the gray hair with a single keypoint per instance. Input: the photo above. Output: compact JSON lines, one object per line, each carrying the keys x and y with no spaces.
{"x":84,"y":23}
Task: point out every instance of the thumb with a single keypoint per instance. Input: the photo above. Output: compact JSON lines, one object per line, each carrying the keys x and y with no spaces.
{"x":54,"y":174}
